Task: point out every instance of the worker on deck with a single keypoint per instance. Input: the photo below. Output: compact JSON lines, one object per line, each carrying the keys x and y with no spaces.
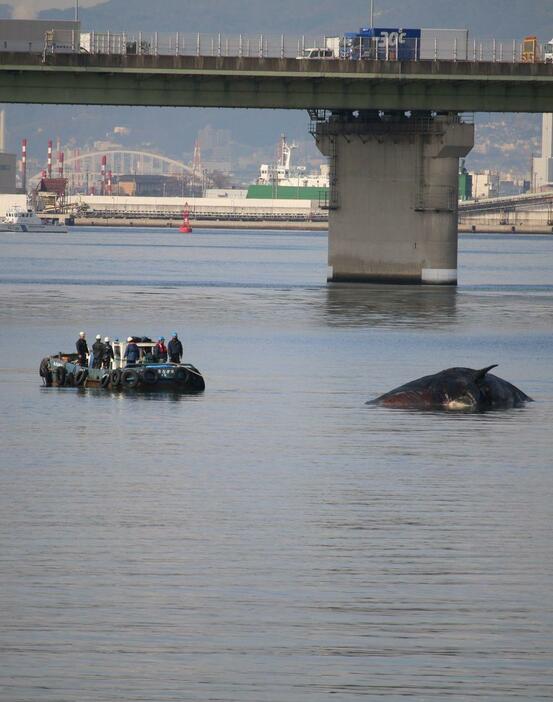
{"x":174,"y":348}
{"x":159,"y":352}
{"x":132,"y":352}
{"x":98,"y":352}
{"x":82,"y":349}
{"x":108,"y":356}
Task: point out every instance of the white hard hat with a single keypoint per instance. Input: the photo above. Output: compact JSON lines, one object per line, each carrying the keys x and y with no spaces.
{"x":98,"y":336}
{"x":107,"y":338}
{"x":82,"y":334}
{"x":130,"y":338}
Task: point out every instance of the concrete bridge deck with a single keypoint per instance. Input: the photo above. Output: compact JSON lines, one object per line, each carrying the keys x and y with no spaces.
{"x":246,"y":82}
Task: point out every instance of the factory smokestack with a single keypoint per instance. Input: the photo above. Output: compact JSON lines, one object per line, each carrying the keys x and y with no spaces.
{"x":49,"y":162}
{"x":24,"y":165}
{"x":103,"y":173}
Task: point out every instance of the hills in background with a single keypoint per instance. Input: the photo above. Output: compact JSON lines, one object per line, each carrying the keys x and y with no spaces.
{"x":504,"y":142}
{"x":503,"y":19}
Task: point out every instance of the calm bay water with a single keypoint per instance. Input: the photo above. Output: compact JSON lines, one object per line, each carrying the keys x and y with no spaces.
{"x":273,"y":539}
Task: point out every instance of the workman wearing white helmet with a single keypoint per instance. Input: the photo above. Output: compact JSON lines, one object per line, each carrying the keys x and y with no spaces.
{"x":97,"y":352}
{"x":132,"y":352}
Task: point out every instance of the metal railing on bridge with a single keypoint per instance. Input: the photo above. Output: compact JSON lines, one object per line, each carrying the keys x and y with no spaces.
{"x":284,"y":46}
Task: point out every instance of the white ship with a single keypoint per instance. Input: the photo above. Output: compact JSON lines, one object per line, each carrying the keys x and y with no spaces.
{"x":282,"y":174}
{"x":18,"y":219}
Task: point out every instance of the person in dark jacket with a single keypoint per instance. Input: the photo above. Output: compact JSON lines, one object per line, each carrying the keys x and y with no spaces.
{"x":98,"y":352}
{"x":82,"y":349}
{"x":108,"y":354}
{"x":132,"y":352}
{"x":174,"y":347}
{"x":159,"y":352}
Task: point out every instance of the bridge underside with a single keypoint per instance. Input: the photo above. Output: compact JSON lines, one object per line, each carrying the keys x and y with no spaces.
{"x":190,"y":81}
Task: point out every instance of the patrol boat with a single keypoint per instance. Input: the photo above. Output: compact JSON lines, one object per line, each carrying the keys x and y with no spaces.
{"x":64,"y":370}
{"x":18,"y":219}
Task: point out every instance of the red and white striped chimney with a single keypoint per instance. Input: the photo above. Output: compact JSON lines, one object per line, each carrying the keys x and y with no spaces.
{"x":103,"y":172}
{"x":49,"y":162}
{"x":24,"y":165}
{"x":61,"y":158}
{"x":109,"y":182}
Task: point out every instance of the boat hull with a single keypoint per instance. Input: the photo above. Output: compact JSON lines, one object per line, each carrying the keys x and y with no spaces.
{"x":64,"y":371}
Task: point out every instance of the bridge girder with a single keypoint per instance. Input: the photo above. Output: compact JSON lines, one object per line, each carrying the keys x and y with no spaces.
{"x":184,"y":81}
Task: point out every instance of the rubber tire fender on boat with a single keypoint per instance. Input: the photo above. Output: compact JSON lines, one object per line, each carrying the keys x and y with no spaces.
{"x":150,"y":376}
{"x":104,"y":380}
{"x":81,"y":376}
{"x":181,"y":374}
{"x":115,"y":378}
{"x":61,"y":375}
{"x":130,"y":378}
{"x":70,"y":380}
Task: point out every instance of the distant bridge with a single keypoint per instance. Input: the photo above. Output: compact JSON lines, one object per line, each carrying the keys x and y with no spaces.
{"x":88,"y":164}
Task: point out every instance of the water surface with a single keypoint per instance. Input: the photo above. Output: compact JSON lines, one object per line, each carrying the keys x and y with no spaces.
{"x":273,"y":539}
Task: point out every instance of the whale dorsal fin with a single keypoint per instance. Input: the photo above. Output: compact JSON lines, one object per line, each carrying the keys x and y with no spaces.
{"x":481,"y":374}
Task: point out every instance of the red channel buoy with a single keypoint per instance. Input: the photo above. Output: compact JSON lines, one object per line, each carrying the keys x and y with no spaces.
{"x":185,"y":226}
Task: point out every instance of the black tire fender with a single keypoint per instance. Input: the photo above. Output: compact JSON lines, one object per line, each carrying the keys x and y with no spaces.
{"x":181,"y":374}
{"x":81,"y":376}
{"x":150,"y":376}
{"x":129,"y":378}
{"x":61,"y":375}
{"x":70,"y":380}
{"x":115,"y":378}
{"x":105,"y":380}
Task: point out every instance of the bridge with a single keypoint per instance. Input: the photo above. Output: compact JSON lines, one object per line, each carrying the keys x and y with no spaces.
{"x":390,"y":129}
{"x":274,"y":83}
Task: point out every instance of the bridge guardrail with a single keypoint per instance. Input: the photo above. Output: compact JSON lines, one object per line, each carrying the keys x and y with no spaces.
{"x":275,"y":46}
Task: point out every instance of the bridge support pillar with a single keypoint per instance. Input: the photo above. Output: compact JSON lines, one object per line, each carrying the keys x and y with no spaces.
{"x":393,"y":195}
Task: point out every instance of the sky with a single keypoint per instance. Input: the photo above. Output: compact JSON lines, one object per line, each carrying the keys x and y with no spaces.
{"x":27,"y":9}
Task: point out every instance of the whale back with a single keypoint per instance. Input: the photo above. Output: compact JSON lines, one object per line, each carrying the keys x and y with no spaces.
{"x":455,"y":388}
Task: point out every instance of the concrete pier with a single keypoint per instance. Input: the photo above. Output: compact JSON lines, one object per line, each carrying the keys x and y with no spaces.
{"x":393,"y":196}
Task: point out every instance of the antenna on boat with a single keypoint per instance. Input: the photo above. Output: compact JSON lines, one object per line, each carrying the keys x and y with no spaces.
{"x":372,"y":15}
{"x":76,"y":10}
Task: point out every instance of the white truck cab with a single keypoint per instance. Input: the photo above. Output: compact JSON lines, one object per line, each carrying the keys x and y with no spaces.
{"x":548,"y":52}
{"x":316,"y":53}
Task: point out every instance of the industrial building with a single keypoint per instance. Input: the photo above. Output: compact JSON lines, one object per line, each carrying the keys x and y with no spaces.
{"x":26,"y":36}
{"x":543,"y":165}
{"x":7,"y":161}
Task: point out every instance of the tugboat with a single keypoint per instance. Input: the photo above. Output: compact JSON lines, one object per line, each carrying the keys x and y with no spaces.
{"x":63,"y":370}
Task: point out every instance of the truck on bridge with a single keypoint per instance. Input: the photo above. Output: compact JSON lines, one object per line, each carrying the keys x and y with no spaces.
{"x":394,"y":43}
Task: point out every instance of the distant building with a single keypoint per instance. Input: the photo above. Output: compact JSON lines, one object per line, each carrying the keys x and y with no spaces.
{"x":7,"y":173}
{"x":216,"y":149}
{"x":30,"y":35}
{"x":152,"y":186}
{"x":485,"y":184}
{"x":543,"y":165}
{"x":465,"y":182}
{"x":7,"y":161}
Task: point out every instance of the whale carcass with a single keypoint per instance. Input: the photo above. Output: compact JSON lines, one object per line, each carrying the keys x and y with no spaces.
{"x":455,"y":389}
